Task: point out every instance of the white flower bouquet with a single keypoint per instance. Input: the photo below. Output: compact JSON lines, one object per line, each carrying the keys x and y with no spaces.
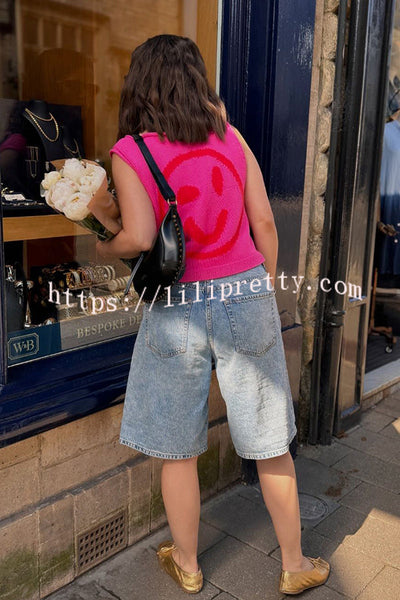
{"x":78,"y":190}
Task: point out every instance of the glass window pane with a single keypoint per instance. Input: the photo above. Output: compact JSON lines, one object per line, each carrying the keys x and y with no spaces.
{"x":61,"y":71}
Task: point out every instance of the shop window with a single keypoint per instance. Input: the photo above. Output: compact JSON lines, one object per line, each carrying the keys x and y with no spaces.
{"x":61,"y":68}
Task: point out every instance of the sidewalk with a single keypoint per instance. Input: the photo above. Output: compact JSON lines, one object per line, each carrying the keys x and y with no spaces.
{"x":350,"y":505}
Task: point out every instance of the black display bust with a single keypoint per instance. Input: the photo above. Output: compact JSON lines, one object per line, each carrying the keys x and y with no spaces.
{"x":43,"y":144}
{"x":44,"y":128}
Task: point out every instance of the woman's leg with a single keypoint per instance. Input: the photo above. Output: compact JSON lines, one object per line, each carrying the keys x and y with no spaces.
{"x":279,"y":488}
{"x":181,"y":494}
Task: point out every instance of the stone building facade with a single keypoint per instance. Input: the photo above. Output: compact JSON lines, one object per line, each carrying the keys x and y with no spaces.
{"x":62,"y":486}
{"x":320,"y":122}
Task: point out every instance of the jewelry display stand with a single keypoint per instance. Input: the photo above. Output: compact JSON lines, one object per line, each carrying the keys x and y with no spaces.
{"x":42,"y":134}
{"x":96,"y":281}
{"x":34,"y":133}
{"x":45,"y":129}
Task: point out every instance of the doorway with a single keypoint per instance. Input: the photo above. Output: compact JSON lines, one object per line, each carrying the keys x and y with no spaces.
{"x":382,"y":365}
{"x":351,"y":202}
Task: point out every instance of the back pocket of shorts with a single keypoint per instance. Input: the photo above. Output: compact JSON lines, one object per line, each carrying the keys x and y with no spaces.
{"x":167,"y":327}
{"x":252,"y":322}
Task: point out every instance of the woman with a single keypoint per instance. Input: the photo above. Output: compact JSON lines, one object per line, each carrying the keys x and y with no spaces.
{"x":223,"y":308}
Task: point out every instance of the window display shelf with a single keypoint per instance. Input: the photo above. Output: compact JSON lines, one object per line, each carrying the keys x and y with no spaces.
{"x":39,"y":227}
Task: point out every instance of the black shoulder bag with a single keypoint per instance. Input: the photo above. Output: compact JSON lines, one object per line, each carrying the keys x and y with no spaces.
{"x":164,"y":264}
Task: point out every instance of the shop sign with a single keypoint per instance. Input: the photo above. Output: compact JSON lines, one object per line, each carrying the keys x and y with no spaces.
{"x":97,"y":328}
{"x":28,"y":345}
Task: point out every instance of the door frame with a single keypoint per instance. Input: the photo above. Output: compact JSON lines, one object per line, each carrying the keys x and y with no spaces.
{"x":350,"y":155}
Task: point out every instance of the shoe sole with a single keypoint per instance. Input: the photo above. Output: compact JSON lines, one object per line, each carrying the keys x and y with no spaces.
{"x":304,"y":589}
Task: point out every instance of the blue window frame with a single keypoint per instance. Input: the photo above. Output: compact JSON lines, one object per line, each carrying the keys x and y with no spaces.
{"x":265,"y":82}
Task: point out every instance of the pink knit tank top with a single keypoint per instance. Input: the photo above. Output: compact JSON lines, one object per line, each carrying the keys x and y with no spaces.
{"x":208,"y":180}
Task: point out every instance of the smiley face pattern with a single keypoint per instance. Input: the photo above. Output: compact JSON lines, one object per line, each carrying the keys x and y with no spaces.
{"x":208,"y":180}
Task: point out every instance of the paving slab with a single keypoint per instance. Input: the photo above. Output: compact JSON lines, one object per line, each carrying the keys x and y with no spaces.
{"x":371,"y":535}
{"x":208,"y":536}
{"x":250,"y":575}
{"x":327,"y":455}
{"x":313,"y":544}
{"x":364,"y":467}
{"x":243,"y":519}
{"x":322,"y":481}
{"x":396,"y":459}
{"x":82,"y":591}
{"x":390,"y":405}
{"x":384,"y":447}
{"x":242,"y":571}
{"x":344,"y":522}
{"x":375,"y":420}
{"x":392,"y":430}
{"x":385,"y":586}
{"x":252,"y":492}
{"x":351,"y":569}
{"x":133,"y":574}
{"x":322,"y":592}
{"x":374,"y":500}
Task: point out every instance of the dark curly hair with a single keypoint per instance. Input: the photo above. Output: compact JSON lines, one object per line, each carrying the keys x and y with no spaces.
{"x":166,"y":91}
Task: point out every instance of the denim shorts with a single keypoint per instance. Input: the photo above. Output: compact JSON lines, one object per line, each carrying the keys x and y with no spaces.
{"x":235,"y":321}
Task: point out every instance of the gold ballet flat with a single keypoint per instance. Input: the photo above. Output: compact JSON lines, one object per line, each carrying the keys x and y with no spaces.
{"x":292,"y":582}
{"x":190,"y":582}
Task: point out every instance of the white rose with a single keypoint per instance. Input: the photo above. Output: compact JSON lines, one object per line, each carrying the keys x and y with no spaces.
{"x":92,"y":179}
{"x":99,"y":175}
{"x":50,"y":179}
{"x":76,"y":208}
{"x":61,"y":193}
{"x":87,"y":185}
{"x":47,"y":196}
{"x":89,"y":168}
{"x":73,"y":169}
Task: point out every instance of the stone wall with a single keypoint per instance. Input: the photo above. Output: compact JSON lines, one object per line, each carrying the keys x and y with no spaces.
{"x":68,"y":480}
{"x":320,"y":120}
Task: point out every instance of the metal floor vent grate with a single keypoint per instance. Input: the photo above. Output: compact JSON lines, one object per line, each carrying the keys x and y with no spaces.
{"x":103,"y":541}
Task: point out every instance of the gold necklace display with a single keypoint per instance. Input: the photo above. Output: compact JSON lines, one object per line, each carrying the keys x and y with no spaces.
{"x":76,"y":151}
{"x":34,"y":119}
{"x":33,"y":173}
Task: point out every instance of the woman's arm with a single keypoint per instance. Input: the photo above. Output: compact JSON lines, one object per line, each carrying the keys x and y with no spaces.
{"x":137,"y":215}
{"x":259,"y":211}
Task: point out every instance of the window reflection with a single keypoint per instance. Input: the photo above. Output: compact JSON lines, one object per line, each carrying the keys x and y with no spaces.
{"x":62,"y":66}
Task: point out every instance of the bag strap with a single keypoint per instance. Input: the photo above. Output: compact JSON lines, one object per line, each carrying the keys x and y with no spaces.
{"x":162,"y":183}
{"x":164,"y":188}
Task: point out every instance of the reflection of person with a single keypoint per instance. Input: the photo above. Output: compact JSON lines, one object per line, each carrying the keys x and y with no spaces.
{"x":221,"y":308}
{"x":387,"y":252}
{"x":65,"y":77}
{"x":12,"y":152}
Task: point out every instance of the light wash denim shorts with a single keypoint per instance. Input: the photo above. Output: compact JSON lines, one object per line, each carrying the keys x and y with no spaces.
{"x":235,"y":321}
